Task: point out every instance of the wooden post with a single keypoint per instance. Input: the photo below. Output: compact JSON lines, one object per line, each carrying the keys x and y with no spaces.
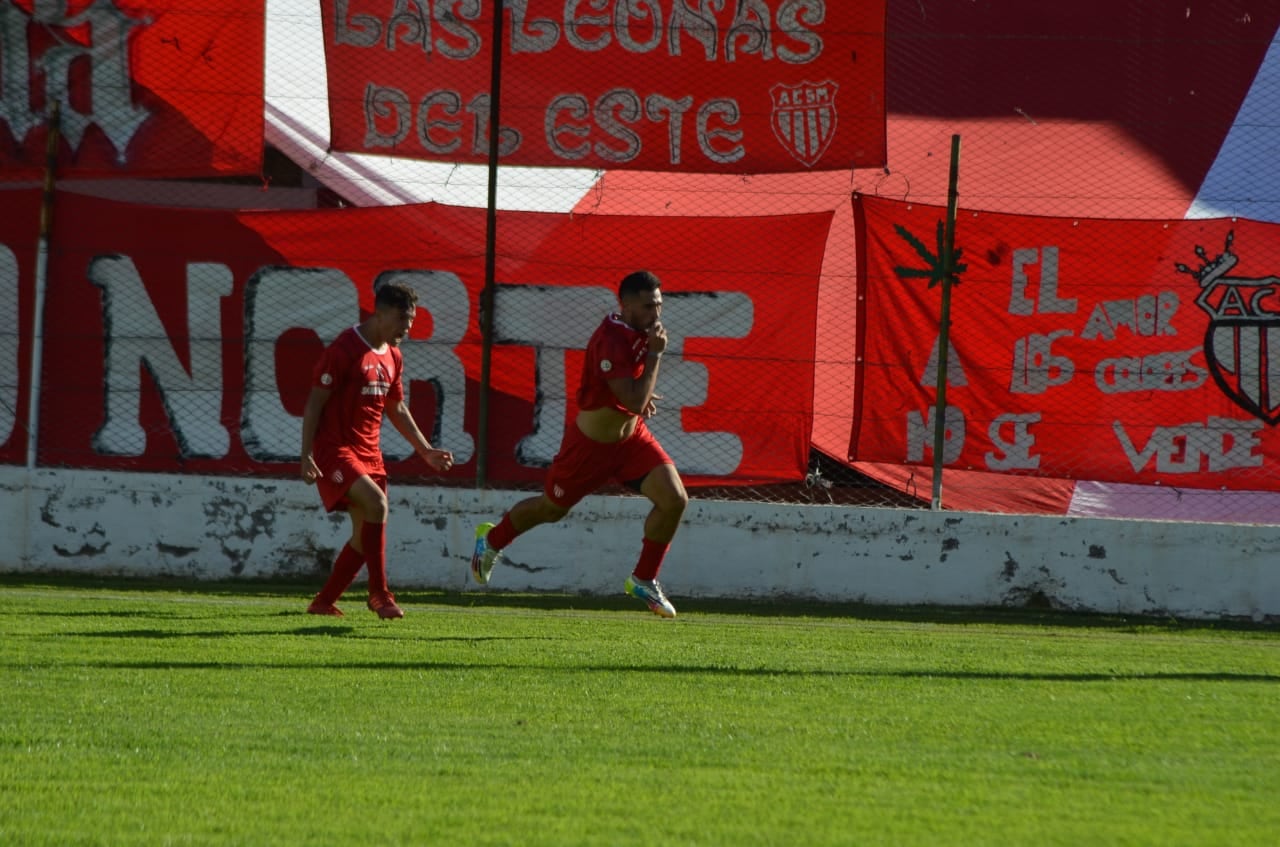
{"x":490,"y":250}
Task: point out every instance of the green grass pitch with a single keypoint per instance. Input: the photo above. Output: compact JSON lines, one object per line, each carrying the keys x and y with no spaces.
{"x":172,"y":713}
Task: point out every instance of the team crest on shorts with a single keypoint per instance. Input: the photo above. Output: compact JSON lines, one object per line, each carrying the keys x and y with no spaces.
{"x":336,"y":477}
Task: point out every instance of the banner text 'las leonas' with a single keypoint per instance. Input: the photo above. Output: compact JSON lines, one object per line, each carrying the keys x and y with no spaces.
{"x":753,"y":86}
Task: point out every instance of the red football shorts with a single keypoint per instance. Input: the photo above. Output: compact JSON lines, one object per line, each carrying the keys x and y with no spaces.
{"x":337,"y":471}
{"x":583,"y":465}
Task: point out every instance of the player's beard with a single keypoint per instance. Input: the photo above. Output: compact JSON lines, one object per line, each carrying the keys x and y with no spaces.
{"x":638,"y":326}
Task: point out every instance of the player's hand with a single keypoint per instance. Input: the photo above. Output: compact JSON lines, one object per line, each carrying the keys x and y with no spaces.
{"x":651,"y":408}
{"x":439,"y":460}
{"x":657,"y":338}
{"x":310,"y":470}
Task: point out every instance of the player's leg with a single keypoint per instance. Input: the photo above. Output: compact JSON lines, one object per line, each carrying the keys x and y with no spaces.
{"x":580,"y":467}
{"x":343,"y":573}
{"x":528,"y":513}
{"x":665,"y":490}
{"x":333,"y":494}
{"x":368,"y":498}
{"x":492,"y":539}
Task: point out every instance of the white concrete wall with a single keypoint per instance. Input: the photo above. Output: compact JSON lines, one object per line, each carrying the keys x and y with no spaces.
{"x":223,"y":527}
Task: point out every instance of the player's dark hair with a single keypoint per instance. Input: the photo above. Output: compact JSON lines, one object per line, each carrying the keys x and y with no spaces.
{"x":396,"y":295}
{"x":634,"y":283}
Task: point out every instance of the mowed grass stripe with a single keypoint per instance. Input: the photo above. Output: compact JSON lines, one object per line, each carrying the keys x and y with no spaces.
{"x":136,"y":713}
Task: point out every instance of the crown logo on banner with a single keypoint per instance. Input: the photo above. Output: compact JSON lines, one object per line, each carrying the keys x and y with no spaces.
{"x":1242,"y":341}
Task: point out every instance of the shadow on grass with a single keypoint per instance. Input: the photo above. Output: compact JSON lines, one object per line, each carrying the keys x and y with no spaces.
{"x":691,"y":670}
{"x":166,"y":634}
{"x":329,"y":630}
{"x":777,"y":607}
{"x":149,"y":614}
{"x":794,"y":607}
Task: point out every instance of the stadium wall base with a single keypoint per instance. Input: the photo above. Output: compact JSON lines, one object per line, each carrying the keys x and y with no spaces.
{"x":216,"y":528}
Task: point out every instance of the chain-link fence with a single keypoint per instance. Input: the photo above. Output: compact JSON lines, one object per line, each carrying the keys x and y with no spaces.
{"x":178,"y":328}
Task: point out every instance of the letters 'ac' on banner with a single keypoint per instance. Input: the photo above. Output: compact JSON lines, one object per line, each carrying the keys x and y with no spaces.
{"x":661,"y":86}
{"x":184,"y":339}
{"x":170,"y":88}
{"x":1110,"y":350}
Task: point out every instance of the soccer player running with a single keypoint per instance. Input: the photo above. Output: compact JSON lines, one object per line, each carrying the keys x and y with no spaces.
{"x":610,"y":441}
{"x":355,"y":382}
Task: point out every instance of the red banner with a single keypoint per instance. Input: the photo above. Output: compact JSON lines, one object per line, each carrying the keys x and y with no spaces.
{"x":184,"y":339}
{"x":19,"y":229}
{"x":767,"y":86}
{"x":168,"y":88}
{"x":1111,"y":350}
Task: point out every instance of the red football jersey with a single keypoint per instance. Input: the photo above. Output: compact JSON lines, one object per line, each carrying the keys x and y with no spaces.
{"x":615,"y":351}
{"x":363,"y":382}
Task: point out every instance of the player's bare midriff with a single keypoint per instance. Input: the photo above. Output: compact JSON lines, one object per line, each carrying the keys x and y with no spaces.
{"x":608,"y":426}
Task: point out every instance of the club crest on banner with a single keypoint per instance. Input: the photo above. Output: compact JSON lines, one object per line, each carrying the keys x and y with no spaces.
{"x":804,"y":118}
{"x":1242,"y":341}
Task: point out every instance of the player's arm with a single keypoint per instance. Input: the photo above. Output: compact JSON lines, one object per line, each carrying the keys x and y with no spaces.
{"x":402,"y":419}
{"x":637,"y":395}
{"x":316,"y":401}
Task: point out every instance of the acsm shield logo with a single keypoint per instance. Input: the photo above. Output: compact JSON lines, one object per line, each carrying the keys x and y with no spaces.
{"x":1242,"y":342}
{"x":804,"y":118}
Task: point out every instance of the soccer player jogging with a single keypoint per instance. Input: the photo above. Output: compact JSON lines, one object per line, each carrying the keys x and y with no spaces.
{"x":610,"y":441}
{"x":355,"y":382}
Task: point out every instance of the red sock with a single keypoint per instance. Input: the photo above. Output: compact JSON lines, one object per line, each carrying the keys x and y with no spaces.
{"x":345,"y":568}
{"x":502,"y":534}
{"x":373,"y":537}
{"x":651,"y":555}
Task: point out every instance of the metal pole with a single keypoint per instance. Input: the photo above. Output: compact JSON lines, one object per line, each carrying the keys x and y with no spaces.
{"x":948,"y":258}
{"x":490,"y":250}
{"x":42,"y":275}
